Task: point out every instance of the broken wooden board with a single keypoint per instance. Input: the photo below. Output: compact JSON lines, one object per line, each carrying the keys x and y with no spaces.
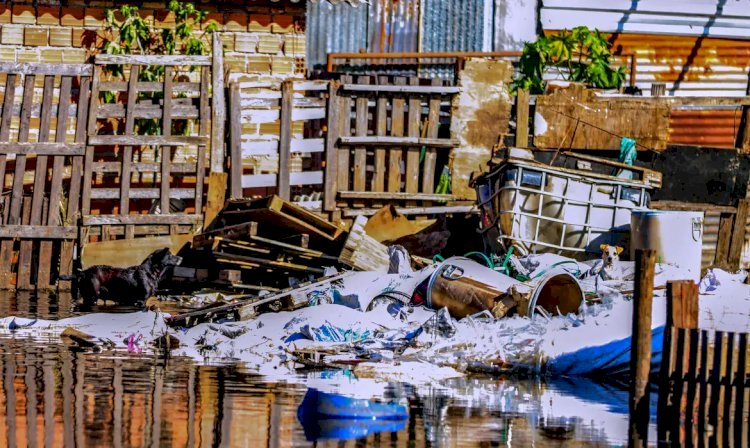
{"x":481,"y":114}
{"x":362,"y":252}
{"x":124,"y":253}
{"x":576,"y":117}
{"x":388,"y":225}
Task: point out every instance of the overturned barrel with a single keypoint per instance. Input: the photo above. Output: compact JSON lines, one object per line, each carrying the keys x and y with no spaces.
{"x":466,"y":287}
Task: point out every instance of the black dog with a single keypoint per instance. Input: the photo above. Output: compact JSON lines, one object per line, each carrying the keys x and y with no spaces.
{"x":125,"y":285}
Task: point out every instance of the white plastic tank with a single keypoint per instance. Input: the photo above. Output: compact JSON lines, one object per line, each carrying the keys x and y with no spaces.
{"x":676,"y":236}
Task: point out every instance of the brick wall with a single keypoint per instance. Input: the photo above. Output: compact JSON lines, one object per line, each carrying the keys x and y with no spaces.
{"x":261,"y":41}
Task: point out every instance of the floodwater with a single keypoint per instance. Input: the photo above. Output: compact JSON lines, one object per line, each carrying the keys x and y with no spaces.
{"x":55,"y":395}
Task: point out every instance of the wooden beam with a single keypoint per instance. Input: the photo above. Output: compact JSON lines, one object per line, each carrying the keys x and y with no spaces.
{"x":146,"y":140}
{"x":376,"y":140}
{"x":98,"y":220}
{"x":522,"y":118}
{"x":39,"y":232}
{"x":217,"y":189}
{"x":738,"y":235}
{"x":285,"y":139}
{"x":142,"y":193}
{"x":640,"y":352}
{"x":46,"y":69}
{"x":45,"y":149}
{"x":721,"y":257}
{"x":350,"y":213}
{"x":331,"y":156}
{"x":235,"y":143}
{"x":122,"y":86}
{"x":127,"y":59}
{"x":395,"y":196}
{"x":682,"y":304}
{"x":427,"y":90}
{"x":218,"y":112}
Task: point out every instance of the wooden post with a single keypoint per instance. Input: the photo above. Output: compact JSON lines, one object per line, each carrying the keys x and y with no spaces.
{"x":235,"y":141}
{"x":331,"y":156}
{"x":738,"y":235}
{"x":218,"y":114}
{"x":725,"y":238}
{"x":682,"y":304}
{"x":285,"y":138}
{"x":217,"y":188}
{"x":640,"y":350}
{"x":522,"y":118}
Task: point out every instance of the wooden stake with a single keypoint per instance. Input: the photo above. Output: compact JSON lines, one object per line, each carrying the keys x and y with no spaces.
{"x":682,"y":304}
{"x":738,"y":235}
{"x":522,"y":118}
{"x":640,"y":350}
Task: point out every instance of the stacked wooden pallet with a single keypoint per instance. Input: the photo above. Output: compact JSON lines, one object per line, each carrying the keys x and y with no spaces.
{"x":262,"y":243}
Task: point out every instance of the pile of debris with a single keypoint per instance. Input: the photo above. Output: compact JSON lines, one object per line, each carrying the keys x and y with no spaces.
{"x":260,"y":244}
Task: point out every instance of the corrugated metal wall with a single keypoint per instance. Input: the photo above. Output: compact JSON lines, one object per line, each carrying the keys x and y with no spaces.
{"x":692,"y":47}
{"x":394,"y":26}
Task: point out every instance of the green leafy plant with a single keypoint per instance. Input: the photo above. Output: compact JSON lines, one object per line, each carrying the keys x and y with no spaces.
{"x":579,"y":55}
{"x":128,"y":33}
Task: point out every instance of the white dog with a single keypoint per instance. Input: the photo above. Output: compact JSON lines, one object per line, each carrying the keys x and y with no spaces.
{"x":609,"y":268}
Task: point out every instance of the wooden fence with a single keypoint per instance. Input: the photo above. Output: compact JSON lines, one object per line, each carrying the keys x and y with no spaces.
{"x":163,"y":172}
{"x":42,"y":144}
{"x":703,"y":392}
{"x":279,"y":162}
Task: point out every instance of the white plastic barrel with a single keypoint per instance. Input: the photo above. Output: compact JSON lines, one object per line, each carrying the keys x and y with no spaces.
{"x":676,"y":236}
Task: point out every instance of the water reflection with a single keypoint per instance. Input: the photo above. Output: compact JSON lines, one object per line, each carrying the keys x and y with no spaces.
{"x":53,"y":395}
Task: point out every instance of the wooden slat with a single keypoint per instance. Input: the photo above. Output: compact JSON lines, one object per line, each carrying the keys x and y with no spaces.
{"x":374,"y":140}
{"x":350,"y":213}
{"x":703,"y":377}
{"x":692,"y":369}
{"x":331,"y":151}
{"x":40,"y":180}
{"x":91,"y":131}
{"x":285,"y":139}
{"x":361,"y":121}
{"x":413,"y":152}
{"x":235,"y":144}
{"x":42,"y":148}
{"x":98,"y":220}
{"x":217,"y":188}
{"x":713,"y":407}
{"x":166,"y":151}
{"x":430,"y":158}
{"x":200,"y":167}
{"x":147,"y":110}
{"x":141,"y":193}
{"x":127,"y":59}
{"x":122,"y":86}
{"x":5,"y":120}
{"x":23,"y":136}
{"x":219,"y":107}
{"x":726,"y":427}
{"x":147,"y":140}
{"x":721,"y":258}
{"x":381,"y":128}
{"x":739,"y":398}
{"x":23,"y":275}
{"x":522,"y":118}
{"x":45,"y":69}
{"x":395,"y":196}
{"x":39,"y":232}
{"x":127,"y":153}
{"x":397,"y":131}
{"x":738,"y":234}
{"x":344,"y":128}
{"x":413,"y":89}
{"x":142,"y":167}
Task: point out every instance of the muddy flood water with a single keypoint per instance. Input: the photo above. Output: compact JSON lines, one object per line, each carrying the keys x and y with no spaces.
{"x":55,"y":395}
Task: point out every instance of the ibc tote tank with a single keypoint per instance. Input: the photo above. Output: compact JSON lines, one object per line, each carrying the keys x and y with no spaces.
{"x":676,"y":236}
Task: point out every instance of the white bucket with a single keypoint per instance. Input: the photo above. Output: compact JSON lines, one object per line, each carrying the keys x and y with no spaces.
{"x":676,"y":236}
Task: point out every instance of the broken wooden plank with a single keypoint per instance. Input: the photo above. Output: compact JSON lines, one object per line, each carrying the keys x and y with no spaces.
{"x":45,"y":149}
{"x":98,"y":220}
{"x":146,"y":140}
{"x":39,"y":232}
{"x":141,"y":193}
{"x":217,"y":190}
{"x":362,"y":251}
{"x":395,"y":196}
{"x":46,"y":69}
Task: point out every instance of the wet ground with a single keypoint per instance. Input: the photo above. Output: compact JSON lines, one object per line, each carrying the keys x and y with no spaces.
{"x":54,"y":395}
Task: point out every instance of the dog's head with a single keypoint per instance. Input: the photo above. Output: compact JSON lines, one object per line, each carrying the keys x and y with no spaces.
{"x":164,"y":258}
{"x":610,"y":254}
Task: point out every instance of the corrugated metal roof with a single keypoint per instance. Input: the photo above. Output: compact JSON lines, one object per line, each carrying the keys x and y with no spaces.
{"x":710,"y":18}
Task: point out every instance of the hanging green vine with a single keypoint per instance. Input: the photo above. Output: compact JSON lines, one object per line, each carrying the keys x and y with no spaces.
{"x":580,"y":55}
{"x":128,"y":33}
